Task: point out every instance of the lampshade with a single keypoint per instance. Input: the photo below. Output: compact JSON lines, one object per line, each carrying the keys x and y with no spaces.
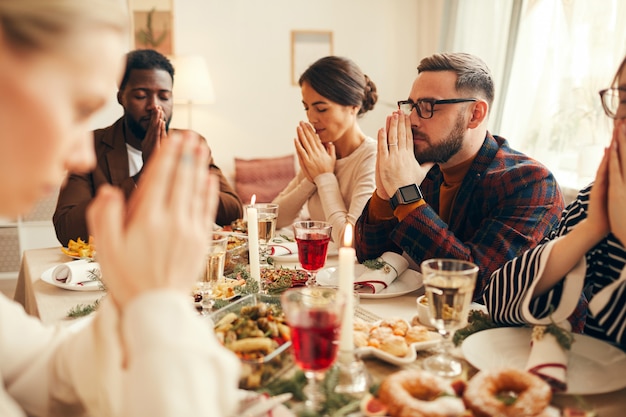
{"x":192,"y":82}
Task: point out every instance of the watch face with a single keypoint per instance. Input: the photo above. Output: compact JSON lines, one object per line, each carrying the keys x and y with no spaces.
{"x":410,"y":193}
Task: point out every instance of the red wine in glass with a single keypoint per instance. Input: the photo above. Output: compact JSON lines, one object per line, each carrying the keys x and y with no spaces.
{"x":314,"y":340}
{"x":312,"y":251}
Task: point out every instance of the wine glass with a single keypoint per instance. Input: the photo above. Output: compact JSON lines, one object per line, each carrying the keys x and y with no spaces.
{"x":267,"y":215}
{"x":312,"y":238}
{"x":449,"y":285}
{"x":215,"y":259}
{"x":314,"y":315}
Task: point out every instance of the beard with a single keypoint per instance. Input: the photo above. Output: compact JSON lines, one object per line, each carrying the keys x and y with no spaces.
{"x":138,"y":130}
{"x":442,"y":152}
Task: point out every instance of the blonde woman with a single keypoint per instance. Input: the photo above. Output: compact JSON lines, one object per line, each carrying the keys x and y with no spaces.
{"x":337,"y":160}
{"x":144,"y":353}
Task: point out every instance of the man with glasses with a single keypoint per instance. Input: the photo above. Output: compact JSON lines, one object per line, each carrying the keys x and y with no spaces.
{"x":123,"y":148}
{"x":446,"y":187}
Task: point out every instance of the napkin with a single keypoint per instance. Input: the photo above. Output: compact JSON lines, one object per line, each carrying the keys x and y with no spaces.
{"x":77,"y":272}
{"x":281,"y":247}
{"x":379,"y":279}
{"x":548,"y":359}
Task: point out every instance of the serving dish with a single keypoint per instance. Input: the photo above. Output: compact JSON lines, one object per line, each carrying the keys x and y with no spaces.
{"x":257,"y":372}
{"x":432,"y":339}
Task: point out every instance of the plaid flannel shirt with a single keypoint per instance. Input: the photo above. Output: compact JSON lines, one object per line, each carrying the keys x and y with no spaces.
{"x":507,"y":203}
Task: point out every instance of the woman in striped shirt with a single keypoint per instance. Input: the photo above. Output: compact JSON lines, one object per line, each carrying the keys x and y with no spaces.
{"x":579,"y":270}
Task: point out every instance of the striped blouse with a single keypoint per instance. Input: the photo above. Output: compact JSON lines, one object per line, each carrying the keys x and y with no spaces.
{"x":599,"y":278}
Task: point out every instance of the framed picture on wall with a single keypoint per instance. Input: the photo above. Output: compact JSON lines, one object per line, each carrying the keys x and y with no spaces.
{"x":153,"y":25}
{"x":307,"y":46}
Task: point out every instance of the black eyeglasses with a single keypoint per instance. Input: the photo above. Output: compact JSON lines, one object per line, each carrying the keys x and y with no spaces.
{"x":611,"y":101}
{"x":425,"y":107}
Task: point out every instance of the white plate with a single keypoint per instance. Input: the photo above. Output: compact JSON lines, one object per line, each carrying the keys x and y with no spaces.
{"x":87,"y":286}
{"x":410,"y":357}
{"x":407,"y":282}
{"x":594,"y":366}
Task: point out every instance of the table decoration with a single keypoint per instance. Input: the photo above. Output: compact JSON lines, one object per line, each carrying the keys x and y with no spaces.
{"x":352,"y":378}
{"x":382,"y":271}
{"x":253,"y":241}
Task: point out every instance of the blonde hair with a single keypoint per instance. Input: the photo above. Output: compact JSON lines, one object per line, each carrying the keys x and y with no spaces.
{"x":44,"y":24}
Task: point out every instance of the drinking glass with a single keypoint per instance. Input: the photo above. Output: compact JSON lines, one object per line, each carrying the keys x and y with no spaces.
{"x":312,"y":238}
{"x":449,"y":285}
{"x":267,"y":214}
{"x":215,"y":258}
{"x":314,"y":315}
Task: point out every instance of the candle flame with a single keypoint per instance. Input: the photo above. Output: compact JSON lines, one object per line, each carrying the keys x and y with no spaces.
{"x":347,"y":235}
{"x":253,"y":199}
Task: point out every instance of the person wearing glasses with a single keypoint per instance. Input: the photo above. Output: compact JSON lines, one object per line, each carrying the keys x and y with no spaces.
{"x":584,"y":259}
{"x":336,"y":158}
{"x":445,"y":186}
{"x":145,"y":94}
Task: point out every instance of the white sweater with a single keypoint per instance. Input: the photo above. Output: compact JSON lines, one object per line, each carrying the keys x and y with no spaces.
{"x":337,"y":198}
{"x":174,"y":366}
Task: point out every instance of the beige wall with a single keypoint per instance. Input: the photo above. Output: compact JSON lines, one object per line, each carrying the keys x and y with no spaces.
{"x":247,"y":47}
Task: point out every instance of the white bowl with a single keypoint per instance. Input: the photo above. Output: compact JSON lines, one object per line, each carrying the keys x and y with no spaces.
{"x":422,"y":310}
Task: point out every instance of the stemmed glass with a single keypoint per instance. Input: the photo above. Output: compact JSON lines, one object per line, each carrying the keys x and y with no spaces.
{"x":314,"y":316}
{"x":449,"y":285}
{"x":215,"y":259}
{"x":312,"y":238}
{"x":267,"y":214}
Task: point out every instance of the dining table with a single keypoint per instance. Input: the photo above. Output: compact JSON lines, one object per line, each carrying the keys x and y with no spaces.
{"x":51,"y":305}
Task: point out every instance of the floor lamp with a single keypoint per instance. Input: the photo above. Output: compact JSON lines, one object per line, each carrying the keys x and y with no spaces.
{"x":192,"y":83}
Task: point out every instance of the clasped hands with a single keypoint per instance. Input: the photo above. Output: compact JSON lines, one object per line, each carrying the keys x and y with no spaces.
{"x":396,"y":165}
{"x":150,"y":242}
{"x":608,"y":193}
{"x":314,"y":157}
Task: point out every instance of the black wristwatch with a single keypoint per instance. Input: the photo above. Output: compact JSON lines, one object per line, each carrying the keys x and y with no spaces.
{"x":406,"y":195}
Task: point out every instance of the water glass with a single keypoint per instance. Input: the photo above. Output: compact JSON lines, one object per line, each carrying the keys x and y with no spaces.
{"x":449,"y":286}
{"x":267,"y":215}
{"x":214,"y":269}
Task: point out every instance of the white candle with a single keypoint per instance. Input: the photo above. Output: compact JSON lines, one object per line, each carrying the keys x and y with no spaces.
{"x":253,"y":242}
{"x":346,"y":286}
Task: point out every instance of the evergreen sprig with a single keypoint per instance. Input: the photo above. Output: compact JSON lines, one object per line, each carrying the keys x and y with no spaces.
{"x":81,"y":310}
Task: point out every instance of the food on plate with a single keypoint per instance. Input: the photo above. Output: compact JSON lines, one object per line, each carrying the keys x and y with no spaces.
{"x":507,"y":392}
{"x":371,"y":406}
{"x":391,"y":335}
{"x":414,"y":392}
{"x":79,"y":248}
{"x":254,"y":334}
{"x":236,"y":253}
{"x":239,"y":225}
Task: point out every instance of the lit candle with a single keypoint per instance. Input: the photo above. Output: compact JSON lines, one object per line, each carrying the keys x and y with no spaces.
{"x":253,"y":241}
{"x":346,"y":286}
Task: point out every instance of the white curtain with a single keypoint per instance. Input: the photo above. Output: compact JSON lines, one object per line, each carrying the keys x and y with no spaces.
{"x":567,"y":50}
{"x":549,"y":62}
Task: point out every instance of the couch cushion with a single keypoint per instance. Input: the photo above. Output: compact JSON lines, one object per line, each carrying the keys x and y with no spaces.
{"x":265,"y":177}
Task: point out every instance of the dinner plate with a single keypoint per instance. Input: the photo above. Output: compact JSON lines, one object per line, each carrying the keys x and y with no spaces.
{"x":407,"y":282}
{"x":594,"y":366}
{"x":47,"y":277}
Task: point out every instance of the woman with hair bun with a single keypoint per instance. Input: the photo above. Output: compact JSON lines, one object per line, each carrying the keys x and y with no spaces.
{"x":337,"y":160}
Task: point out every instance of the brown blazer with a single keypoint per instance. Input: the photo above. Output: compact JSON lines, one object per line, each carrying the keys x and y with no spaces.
{"x":112,"y":168}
